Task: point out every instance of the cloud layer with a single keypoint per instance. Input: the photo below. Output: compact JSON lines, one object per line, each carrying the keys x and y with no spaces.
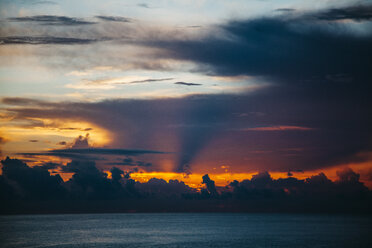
{"x":33,"y":190}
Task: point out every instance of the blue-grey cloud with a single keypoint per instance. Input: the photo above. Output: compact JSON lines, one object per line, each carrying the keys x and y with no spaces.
{"x":51,"y":20}
{"x":356,"y":13}
{"x":114,"y":18}
{"x":187,"y":84}
{"x":39,"y":40}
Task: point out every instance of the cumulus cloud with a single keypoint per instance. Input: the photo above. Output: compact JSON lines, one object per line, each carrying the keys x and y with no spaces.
{"x":211,"y":187}
{"x":90,"y":189}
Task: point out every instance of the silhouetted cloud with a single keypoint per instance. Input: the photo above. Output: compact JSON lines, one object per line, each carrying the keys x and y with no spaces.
{"x":146,"y":81}
{"x":187,"y":84}
{"x":38,"y":40}
{"x":107,"y":151}
{"x":26,"y":189}
{"x":51,"y":20}
{"x":32,"y":183}
{"x":277,"y":128}
{"x":131,"y":162}
{"x":80,"y":142}
{"x":211,"y":187}
{"x":114,"y":18}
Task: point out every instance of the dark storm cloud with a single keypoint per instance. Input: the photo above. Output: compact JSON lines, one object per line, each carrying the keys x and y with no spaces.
{"x":285,"y":50}
{"x":356,"y":13}
{"x":51,"y":20}
{"x":337,"y":122}
{"x":39,"y":40}
{"x":114,"y":18}
{"x":187,"y":84}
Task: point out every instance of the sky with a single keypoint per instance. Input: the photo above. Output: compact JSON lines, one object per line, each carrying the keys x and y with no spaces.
{"x":178,"y":89}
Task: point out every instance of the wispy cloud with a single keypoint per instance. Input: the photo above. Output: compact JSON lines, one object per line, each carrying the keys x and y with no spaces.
{"x":34,"y":40}
{"x":114,"y":18}
{"x":278,"y":128}
{"x":51,"y":20}
{"x":187,"y":84}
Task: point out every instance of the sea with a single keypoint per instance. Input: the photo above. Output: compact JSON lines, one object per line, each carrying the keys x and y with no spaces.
{"x":185,"y":230}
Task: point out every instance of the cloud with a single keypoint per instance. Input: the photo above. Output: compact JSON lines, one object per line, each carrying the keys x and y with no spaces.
{"x":131,"y":162}
{"x":45,"y":2}
{"x":207,"y":124}
{"x":210,"y":185}
{"x":187,"y":84}
{"x":27,"y":189}
{"x":348,"y":176}
{"x":33,"y":183}
{"x":51,"y":20}
{"x":304,"y":49}
{"x":114,"y":18}
{"x":81,"y":142}
{"x":149,"y":80}
{"x":35,"y":40}
{"x":355,"y":13}
{"x":278,"y":128}
{"x":2,"y":140}
{"x":33,"y":141}
{"x":21,"y":101}
{"x":107,"y":151}
{"x":143,"y":5}
{"x":317,"y":75}
{"x":285,"y":9}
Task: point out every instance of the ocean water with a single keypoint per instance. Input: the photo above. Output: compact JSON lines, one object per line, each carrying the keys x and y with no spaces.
{"x":185,"y":230}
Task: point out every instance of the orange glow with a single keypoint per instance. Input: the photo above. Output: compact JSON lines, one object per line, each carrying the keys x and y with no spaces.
{"x":48,"y":134}
{"x":195,"y":180}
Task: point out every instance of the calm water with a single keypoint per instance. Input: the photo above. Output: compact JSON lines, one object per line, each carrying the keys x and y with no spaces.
{"x":185,"y":230}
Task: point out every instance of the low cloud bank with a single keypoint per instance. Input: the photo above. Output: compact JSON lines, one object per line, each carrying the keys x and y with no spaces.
{"x":25,"y":189}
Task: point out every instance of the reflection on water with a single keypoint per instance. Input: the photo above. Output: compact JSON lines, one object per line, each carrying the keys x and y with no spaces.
{"x":185,"y":230}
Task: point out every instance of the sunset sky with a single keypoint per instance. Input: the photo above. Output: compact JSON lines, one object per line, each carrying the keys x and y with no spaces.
{"x":179,"y":89}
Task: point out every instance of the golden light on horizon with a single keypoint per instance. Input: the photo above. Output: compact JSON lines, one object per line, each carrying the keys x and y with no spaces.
{"x":50,"y":134}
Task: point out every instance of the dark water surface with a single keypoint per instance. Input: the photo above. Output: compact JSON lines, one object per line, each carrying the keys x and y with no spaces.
{"x":185,"y":230}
